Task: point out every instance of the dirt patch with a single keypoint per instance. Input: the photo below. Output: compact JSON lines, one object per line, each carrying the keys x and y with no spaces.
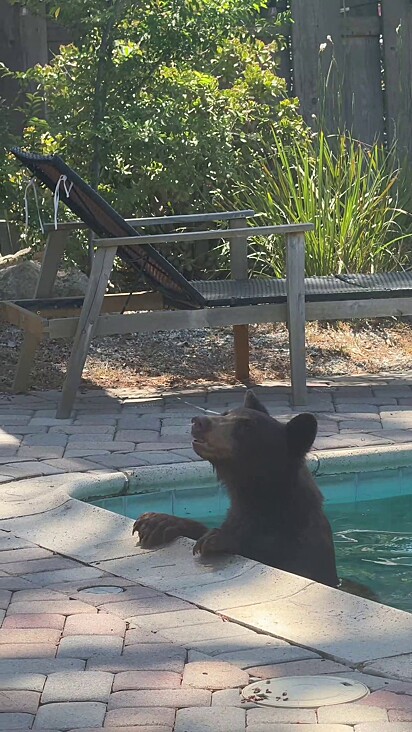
{"x":205,"y":357}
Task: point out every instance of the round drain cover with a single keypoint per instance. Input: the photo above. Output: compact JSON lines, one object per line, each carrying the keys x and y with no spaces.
{"x":104,"y":590}
{"x":304,"y":691}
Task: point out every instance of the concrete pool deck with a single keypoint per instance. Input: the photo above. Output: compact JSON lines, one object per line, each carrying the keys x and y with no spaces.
{"x":171,"y":646}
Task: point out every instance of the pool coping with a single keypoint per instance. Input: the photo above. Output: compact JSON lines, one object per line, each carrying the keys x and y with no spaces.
{"x":47,"y":511}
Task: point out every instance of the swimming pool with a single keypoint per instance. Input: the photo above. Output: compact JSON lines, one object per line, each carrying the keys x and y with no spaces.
{"x":370,"y":513}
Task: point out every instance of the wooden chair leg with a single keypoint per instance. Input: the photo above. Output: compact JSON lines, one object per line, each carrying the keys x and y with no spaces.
{"x":53,"y":254}
{"x":239,"y":271}
{"x":30,"y":345}
{"x":241,"y":336}
{"x":99,"y":278}
{"x":295,"y":283}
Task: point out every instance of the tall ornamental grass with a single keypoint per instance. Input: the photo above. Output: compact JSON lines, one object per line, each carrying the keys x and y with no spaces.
{"x":349,"y":191}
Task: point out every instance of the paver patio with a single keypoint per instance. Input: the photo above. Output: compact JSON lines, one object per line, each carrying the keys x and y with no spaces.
{"x":142,"y":661}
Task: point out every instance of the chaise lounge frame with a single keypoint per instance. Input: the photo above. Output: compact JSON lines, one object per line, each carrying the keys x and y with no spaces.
{"x":237,"y":302}
{"x":101,"y":314}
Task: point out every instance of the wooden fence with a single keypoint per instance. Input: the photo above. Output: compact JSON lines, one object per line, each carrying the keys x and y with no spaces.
{"x":366,"y":60}
{"x":366,"y":65}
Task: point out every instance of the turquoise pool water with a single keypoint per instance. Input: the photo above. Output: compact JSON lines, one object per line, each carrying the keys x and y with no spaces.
{"x":370,"y":513}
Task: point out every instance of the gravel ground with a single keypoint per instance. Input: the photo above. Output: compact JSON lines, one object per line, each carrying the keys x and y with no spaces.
{"x":180,"y":359}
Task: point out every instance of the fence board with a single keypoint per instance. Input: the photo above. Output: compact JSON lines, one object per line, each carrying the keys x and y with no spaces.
{"x":369,"y":88}
{"x":397,"y":46}
{"x":22,"y":45}
{"x":363,"y":94}
{"x":313,"y":22}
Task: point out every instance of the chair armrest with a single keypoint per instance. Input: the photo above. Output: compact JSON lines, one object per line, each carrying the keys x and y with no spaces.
{"x":159,"y":220}
{"x":201,"y":235}
{"x":193,"y":218}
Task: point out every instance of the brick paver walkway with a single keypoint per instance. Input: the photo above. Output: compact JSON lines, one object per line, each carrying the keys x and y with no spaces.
{"x":71,"y":658}
{"x":119,"y":430}
{"x":136,"y":660}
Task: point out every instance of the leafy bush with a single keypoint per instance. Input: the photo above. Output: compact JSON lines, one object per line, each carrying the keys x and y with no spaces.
{"x":348,"y":190}
{"x":159,"y":103}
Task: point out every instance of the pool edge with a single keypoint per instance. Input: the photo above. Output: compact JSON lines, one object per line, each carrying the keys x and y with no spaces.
{"x":50,"y":501}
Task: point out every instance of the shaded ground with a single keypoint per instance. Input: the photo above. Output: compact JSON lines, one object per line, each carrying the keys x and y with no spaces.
{"x":205,"y":357}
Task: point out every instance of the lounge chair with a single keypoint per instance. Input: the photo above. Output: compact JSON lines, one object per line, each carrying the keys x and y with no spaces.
{"x":212,"y":303}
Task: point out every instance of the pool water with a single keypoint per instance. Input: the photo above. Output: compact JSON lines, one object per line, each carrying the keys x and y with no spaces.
{"x":373,"y":543}
{"x":373,"y":535}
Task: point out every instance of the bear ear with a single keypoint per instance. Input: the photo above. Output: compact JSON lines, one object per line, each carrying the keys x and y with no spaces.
{"x":252,"y":402}
{"x":301,"y":433}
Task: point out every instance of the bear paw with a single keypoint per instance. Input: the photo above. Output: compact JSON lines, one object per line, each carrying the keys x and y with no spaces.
{"x":214,"y":542}
{"x":157,"y":528}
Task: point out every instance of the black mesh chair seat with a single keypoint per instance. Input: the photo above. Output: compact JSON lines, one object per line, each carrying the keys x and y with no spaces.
{"x":260,"y":290}
{"x":395,"y":283}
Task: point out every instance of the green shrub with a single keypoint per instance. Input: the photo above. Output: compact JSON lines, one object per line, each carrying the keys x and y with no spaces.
{"x":159,"y":104}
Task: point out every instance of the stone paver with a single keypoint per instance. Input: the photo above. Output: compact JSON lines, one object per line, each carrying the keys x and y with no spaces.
{"x":352,"y":713}
{"x":192,"y":635}
{"x":72,"y":465}
{"x":137,"y":435}
{"x":231,"y":698}
{"x":298,"y":668}
{"x":214,"y":675}
{"x":264,"y":654}
{"x":70,"y":715}
{"x":85,"y":646}
{"x":62,"y":575}
{"x":41,"y":451}
{"x":139,"y":728}
{"x":19,"y":701}
{"x":210,"y":720}
{"x":29,"y":635}
{"x":400,"y":715}
{"x":38,"y":565}
{"x":12,"y":721}
{"x":5,"y":597}
{"x":77,"y":687}
{"x":145,"y":728}
{"x":301,"y":728}
{"x":388,"y":700}
{"x":383,"y":727}
{"x":59,"y":607}
{"x":18,"y":681}
{"x":146,"y":680}
{"x":152,"y":605}
{"x":272,"y":715}
{"x":164,"y":698}
{"x":27,"y":650}
{"x":41,"y":665}
{"x":399,"y":667}
{"x":37,"y":593}
{"x":146,"y":657}
{"x":23,"y":554}
{"x":148,"y":716}
{"x":34,"y":620}
{"x":101,"y":624}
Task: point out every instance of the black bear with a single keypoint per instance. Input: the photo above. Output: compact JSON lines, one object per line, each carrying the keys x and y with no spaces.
{"x":275,"y":515}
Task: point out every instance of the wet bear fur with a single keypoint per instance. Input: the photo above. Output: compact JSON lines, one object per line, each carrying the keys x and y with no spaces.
{"x":276,"y":514}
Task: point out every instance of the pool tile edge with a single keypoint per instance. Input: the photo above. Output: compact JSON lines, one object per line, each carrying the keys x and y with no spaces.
{"x":42,"y":513}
